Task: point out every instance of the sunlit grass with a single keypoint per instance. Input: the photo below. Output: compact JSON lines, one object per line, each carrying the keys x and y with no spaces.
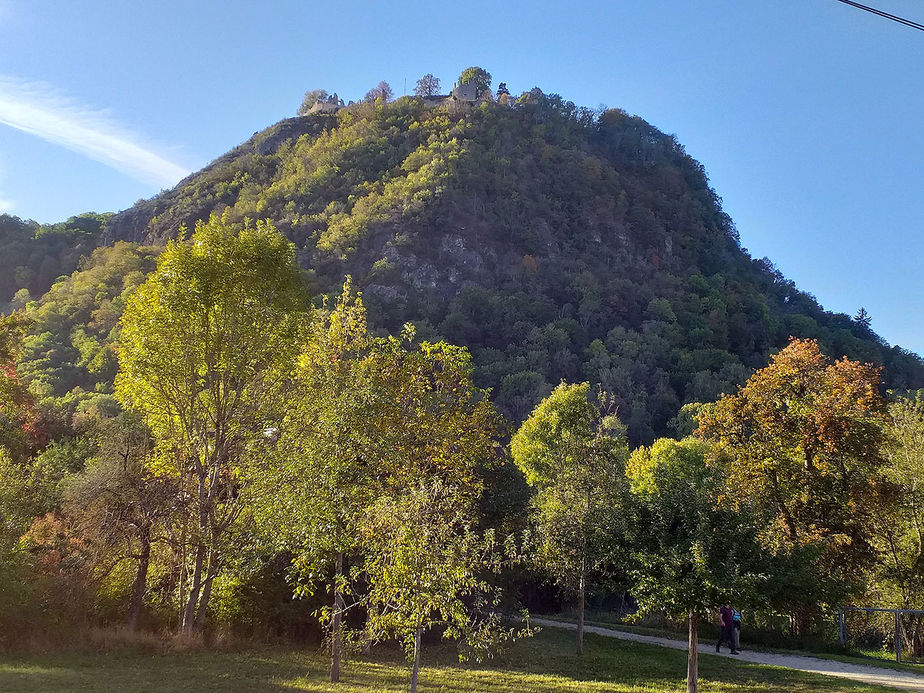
{"x":545,"y":663}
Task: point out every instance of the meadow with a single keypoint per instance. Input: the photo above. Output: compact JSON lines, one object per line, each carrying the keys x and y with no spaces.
{"x":544,"y":663}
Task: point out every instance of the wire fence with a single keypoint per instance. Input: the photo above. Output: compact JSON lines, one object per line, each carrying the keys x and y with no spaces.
{"x":883,"y":632}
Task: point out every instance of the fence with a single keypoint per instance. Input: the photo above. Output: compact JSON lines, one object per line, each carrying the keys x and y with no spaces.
{"x":899,"y":634}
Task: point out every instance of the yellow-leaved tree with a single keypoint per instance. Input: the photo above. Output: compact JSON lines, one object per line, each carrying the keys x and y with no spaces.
{"x":207,"y":343}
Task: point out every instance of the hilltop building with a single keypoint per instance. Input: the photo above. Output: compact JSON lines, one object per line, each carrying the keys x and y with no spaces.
{"x":466,"y":93}
{"x":460,"y":94}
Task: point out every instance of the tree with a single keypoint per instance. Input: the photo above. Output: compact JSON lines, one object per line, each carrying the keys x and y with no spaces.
{"x":380,"y":92}
{"x":18,"y":419}
{"x":206,"y":344}
{"x":120,"y":507}
{"x":427,"y":569}
{"x":863,"y":318}
{"x":322,"y":473}
{"x":312,"y":97}
{"x":428,"y":85}
{"x":806,"y":442}
{"x":479,"y":76}
{"x":692,"y":553}
{"x":573,"y":453}
{"x":898,"y":533}
{"x":370,"y":417}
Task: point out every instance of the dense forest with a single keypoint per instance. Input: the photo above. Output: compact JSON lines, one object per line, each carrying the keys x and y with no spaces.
{"x":502,"y":249}
{"x":34,"y":256}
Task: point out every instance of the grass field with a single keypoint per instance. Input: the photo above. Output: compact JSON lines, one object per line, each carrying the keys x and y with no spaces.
{"x":543,"y":663}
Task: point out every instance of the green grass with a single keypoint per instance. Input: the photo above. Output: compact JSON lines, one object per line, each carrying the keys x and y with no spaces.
{"x":545,"y":663}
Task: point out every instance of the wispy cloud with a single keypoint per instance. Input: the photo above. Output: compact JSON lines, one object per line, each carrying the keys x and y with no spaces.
{"x":6,"y":205}
{"x":40,"y":110}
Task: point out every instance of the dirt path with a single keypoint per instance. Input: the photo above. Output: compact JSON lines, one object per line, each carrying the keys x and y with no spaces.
{"x":857,"y":672}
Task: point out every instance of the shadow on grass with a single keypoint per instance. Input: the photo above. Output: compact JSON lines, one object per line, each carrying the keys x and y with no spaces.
{"x":545,"y":663}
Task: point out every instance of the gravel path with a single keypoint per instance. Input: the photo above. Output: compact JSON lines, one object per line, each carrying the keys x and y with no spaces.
{"x":857,"y":672}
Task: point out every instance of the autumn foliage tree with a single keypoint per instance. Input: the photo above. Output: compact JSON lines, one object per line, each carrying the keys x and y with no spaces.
{"x":120,"y":508}
{"x":18,"y":419}
{"x":805,"y":436}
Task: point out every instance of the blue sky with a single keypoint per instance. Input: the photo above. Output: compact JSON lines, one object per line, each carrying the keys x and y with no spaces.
{"x":805,"y":113}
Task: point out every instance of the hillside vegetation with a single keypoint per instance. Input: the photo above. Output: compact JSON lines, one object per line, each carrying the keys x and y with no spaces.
{"x":553,"y":241}
{"x":187,"y":445}
{"x":33,"y":256}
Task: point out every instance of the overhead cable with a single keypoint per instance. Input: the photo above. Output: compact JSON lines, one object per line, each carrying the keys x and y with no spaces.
{"x":886,"y":15}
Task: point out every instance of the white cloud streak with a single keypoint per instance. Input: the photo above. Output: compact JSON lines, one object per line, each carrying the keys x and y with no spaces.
{"x":38,"y":109}
{"x":6,"y":205}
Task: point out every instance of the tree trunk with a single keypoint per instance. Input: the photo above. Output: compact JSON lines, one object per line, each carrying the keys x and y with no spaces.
{"x":189,"y":613}
{"x":211,"y":571}
{"x":416,"y":669}
{"x":141,"y":580}
{"x":191,"y":616}
{"x":336,"y":623}
{"x":693,"y":656}
{"x":799,"y":623}
{"x":580,"y":618}
{"x":183,"y":567}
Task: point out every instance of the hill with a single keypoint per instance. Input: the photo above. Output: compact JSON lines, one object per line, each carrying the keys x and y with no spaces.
{"x":553,"y":241}
{"x":33,"y":256}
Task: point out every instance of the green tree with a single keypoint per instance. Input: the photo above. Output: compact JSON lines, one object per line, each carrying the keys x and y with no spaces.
{"x":479,"y":76}
{"x":322,"y":473}
{"x":426,"y":568}
{"x":428,"y":85}
{"x":17,"y":417}
{"x":206,"y":344}
{"x":370,"y":417}
{"x":573,"y":453}
{"x":898,"y":532}
{"x":692,"y":553}
{"x":69,"y":360}
{"x":862,"y":318}
{"x":312,"y":97}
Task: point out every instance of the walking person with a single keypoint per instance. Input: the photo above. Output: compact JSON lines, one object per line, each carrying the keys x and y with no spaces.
{"x":726,"y":629}
{"x":736,"y":631}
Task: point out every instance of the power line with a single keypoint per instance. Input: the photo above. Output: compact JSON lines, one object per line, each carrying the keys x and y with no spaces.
{"x":893,"y":17}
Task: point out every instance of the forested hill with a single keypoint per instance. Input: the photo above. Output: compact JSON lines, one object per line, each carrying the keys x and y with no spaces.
{"x":556,"y":243}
